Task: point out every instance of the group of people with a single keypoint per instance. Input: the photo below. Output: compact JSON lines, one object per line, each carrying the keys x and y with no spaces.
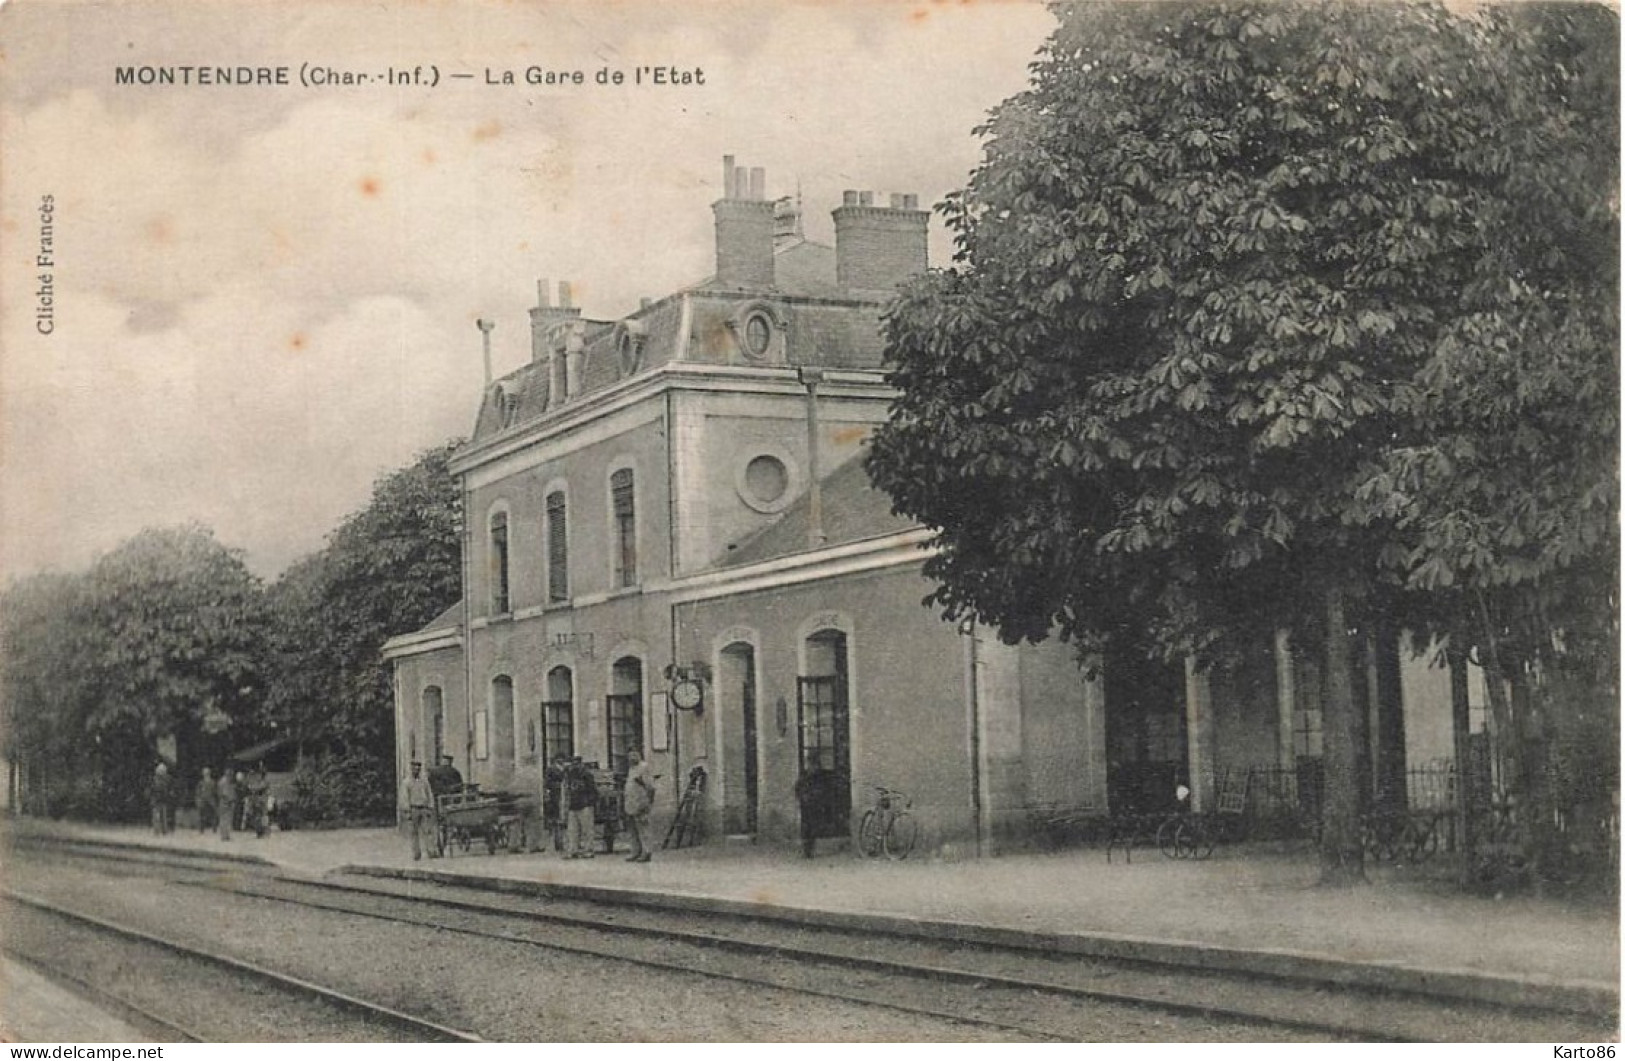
{"x":235,"y":798}
{"x":568,"y":806}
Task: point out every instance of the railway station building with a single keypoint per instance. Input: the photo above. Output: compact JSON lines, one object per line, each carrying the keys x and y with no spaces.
{"x":672,"y":545}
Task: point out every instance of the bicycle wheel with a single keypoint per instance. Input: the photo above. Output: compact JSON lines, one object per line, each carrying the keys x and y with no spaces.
{"x":1167,"y":834}
{"x":1193,"y":840}
{"x":1383,"y":838}
{"x":1422,"y":840}
{"x":871,"y":834}
{"x":901,"y":835}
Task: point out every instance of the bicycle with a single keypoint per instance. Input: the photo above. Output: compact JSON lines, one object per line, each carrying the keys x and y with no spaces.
{"x":1401,"y":836}
{"x":888,"y":826}
{"x":1184,"y":834}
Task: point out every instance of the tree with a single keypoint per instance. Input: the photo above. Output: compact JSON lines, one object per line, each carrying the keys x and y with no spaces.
{"x":1218,"y":271}
{"x":46,"y":691}
{"x":179,"y":622}
{"x":387,"y":569}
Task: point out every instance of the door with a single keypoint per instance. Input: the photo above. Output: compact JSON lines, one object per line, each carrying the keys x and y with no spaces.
{"x":736,"y":707}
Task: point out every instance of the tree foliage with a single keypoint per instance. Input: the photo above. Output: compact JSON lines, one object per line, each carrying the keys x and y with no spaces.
{"x":388,"y":568}
{"x":161,"y":639}
{"x":1271,"y":315}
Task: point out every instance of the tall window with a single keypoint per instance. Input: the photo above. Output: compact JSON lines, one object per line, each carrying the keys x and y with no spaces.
{"x":434,"y":713}
{"x":624,"y":711}
{"x":499,"y":562}
{"x":623,"y":505}
{"x":558,"y":716}
{"x":558,"y":549}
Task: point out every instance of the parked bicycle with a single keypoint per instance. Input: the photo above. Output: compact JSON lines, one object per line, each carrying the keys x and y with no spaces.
{"x":1184,"y":833}
{"x":888,"y":826}
{"x":1401,"y":836}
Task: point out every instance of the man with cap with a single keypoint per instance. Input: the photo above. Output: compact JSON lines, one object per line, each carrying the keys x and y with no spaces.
{"x":420,"y":810}
{"x":444,"y":778}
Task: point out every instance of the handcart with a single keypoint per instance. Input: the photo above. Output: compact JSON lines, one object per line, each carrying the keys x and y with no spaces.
{"x":471,"y":816}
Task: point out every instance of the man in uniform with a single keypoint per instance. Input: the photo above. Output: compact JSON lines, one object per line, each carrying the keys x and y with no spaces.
{"x":420,"y":810}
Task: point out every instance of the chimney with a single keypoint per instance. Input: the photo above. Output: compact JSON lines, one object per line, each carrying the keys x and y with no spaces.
{"x":485,"y":327}
{"x":546,"y":338}
{"x":878,"y":247}
{"x":744,"y":227}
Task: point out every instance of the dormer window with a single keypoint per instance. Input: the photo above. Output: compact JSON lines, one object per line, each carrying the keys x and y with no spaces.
{"x":759,"y":333}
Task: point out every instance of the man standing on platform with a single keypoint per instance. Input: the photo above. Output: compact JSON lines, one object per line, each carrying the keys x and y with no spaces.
{"x":420,"y":811}
{"x":226,"y":802}
{"x":580,"y":799}
{"x":163,"y":799}
{"x":204,"y":800}
{"x":444,"y":777}
{"x":637,"y":800}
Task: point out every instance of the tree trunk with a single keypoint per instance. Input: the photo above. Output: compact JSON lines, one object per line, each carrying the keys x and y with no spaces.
{"x":1342,"y":855}
{"x":1536,"y":816}
{"x":1391,"y":789}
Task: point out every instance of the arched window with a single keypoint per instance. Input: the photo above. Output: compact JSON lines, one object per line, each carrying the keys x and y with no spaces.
{"x":434,"y":720}
{"x":624,"y":711}
{"x":623,"y":507}
{"x":558,"y":548}
{"x":499,"y":563}
{"x":558,"y":716}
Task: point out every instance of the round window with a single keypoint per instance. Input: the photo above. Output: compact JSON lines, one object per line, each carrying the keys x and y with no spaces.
{"x":766,"y":479}
{"x":758,"y":335}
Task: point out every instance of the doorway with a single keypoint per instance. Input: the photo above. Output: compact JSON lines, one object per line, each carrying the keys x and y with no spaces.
{"x":736,"y":692}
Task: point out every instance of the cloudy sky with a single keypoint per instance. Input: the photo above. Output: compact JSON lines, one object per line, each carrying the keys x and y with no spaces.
{"x":264,"y":297}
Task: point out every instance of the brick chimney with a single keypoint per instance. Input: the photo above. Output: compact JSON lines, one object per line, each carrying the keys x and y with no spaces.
{"x":546,"y":338}
{"x":878,"y":247}
{"x":744,"y":227}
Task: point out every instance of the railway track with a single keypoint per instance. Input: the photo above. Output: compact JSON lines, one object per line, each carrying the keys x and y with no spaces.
{"x":146,"y":1013}
{"x":1020,"y":991}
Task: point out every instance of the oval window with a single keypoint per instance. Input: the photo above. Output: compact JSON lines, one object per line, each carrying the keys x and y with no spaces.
{"x":758,"y":335}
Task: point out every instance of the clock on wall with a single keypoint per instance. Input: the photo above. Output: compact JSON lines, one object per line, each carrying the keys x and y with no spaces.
{"x":687,"y":695}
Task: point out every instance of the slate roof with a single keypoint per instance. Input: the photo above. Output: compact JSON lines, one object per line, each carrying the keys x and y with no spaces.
{"x":852,"y":510}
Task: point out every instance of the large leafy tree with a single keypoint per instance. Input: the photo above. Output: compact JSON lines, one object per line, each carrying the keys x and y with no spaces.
{"x":387,"y":569}
{"x":159,"y":641}
{"x":1222,"y":278}
{"x":46,"y":690}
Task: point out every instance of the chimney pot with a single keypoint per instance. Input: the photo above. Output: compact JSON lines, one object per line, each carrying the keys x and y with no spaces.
{"x":564,"y":295}
{"x":645,"y":303}
{"x":911,"y":201}
{"x":849,"y":198}
{"x":877,"y":250}
{"x":542,"y":294}
{"x":758,"y":184}
{"x":741,"y":188}
{"x":727,"y":176}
